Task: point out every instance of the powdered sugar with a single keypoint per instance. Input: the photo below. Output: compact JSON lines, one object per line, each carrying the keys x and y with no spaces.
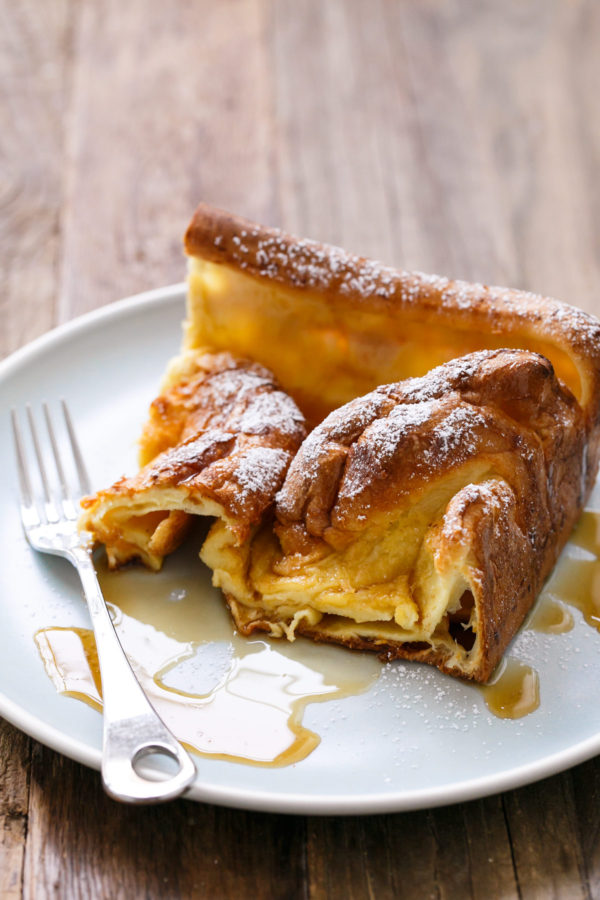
{"x":183,"y":462}
{"x":428,"y":435}
{"x":260,"y":470}
{"x":304,"y":263}
{"x":222,"y":390}
{"x":272,"y":411}
{"x":243,"y":399}
{"x":456,"y":435}
{"x":239,"y":434}
{"x":311,"y":265}
{"x":401,"y":436}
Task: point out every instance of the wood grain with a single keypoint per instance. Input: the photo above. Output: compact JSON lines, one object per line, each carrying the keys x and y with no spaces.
{"x":35,"y":76}
{"x":82,"y":845}
{"x":443,"y":135}
{"x":585,"y":781}
{"x":461,"y":851}
{"x":542,"y":824}
{"x":15,"y":750}
{"x":169,"y":107}
{"x":35,"y":72}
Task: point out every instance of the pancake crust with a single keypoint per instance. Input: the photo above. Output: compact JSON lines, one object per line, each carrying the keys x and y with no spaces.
{"x":218,"y":442}
{"x":490,"y":448}
{"x":361,"y":323}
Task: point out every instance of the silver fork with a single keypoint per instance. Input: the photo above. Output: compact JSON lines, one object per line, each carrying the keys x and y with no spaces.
{"x":131,"y":728}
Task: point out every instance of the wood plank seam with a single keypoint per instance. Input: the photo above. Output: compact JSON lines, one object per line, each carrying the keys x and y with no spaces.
{"x":512,"y":849}
{"x":584,"y":873}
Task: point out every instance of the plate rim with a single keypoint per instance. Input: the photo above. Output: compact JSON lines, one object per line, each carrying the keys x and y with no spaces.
{"x":293,"y":803}
{"x":321,"y":805}
{"x":60,"y":332}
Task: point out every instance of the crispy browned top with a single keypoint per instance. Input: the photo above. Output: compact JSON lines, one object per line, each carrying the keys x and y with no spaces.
{"x":225,"y":432}
{"x":375,"y":455}
{"x":332,"y":273}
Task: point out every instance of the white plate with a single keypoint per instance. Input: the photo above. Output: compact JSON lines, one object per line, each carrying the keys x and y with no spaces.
{"x":416,"y":739}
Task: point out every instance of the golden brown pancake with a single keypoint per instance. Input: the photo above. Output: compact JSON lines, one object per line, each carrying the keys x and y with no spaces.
{"x":421,"y":519}
{"x":332,"y":326}
{"x":218,"y":442}
{"x":456,"y":442}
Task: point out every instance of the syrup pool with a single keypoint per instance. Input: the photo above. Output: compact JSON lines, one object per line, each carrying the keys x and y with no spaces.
{"x":243,"y":699}
{"x":222,"y":695}
{"x":514,"y":690}
{"x":576,"y":579}
{"x":550,"y":616}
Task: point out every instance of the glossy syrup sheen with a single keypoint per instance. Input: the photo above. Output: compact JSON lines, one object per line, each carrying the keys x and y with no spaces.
{"x":514,"y":688}
{"x":576,"y":579}
{"x":550,"y":616}
{"x":242,"y":699}
{"x":222,"y":695}
{"x":514,"y":691}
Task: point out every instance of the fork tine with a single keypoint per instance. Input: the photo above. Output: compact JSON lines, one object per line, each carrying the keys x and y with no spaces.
{"x":32,"y":511}
{"x":64,"y":489}
{"x":24,"y":482}
{"x":38,"y":455}
{"x":84,"y":479}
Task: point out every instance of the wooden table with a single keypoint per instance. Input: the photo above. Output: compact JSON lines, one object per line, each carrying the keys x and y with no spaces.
{"x":449,"y":136}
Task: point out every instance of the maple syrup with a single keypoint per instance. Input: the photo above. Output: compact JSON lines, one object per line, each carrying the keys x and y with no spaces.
{"x":577,"y":582}
{"x":550,"y":616}
{"x":514,"y":690}
{"x":243,"y":699}
{"x":222,"y":695}
{"x":586,"y":533}
{"x":71,"y":660}
{"x":576,"y":579}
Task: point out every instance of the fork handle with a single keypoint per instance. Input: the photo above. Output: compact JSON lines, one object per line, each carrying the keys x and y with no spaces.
{"x":131,"y":727}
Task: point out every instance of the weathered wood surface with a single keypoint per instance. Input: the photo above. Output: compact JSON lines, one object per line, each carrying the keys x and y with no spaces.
{"x":445,"y":135}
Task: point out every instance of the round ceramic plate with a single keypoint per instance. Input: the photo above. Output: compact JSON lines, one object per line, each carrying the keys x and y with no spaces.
{"x":415,"y":739}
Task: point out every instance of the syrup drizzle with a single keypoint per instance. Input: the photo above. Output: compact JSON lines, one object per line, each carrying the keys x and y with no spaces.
{"x":514,"y":690}
{"x":243,"y":700}
{"x":576,"y":579}
{"x":222,"y":695}
{"x":550,"y":616}
{"x":587,"y":532}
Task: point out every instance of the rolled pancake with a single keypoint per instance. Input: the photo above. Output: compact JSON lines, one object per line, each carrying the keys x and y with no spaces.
{"x":420,"y":520}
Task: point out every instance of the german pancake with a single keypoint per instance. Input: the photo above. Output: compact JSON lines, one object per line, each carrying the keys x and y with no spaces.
{"x":430,"y":446}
